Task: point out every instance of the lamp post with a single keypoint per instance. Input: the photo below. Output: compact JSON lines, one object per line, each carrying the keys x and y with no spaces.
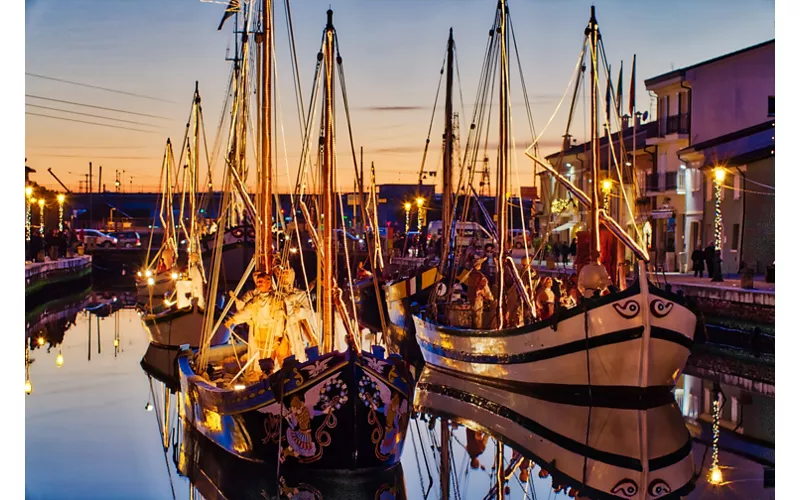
{"x":607,"y":196}
{"x":719,"y":176}
{"x":407,"y":207}
{"x":61,"y":199}
{"x":28,"y":201}
{"x":420,"y":213}
{"x":41,"y":216}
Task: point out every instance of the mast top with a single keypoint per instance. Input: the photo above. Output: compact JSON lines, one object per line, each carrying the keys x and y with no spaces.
{"x":330,"y":19}
{"x":592,"y":22}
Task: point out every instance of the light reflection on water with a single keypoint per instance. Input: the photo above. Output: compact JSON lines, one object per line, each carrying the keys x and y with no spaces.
{"x":89,"y":433}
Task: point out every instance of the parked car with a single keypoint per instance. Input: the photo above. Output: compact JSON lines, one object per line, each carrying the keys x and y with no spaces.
{"x":96,"y":238}
{"x":519,"y":239}
{"x":127,"y":239}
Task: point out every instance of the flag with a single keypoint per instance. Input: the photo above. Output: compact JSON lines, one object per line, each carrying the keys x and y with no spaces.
{"x":619,"y":91}
{"x":632,"y":103}
{"x":608,"y":96}
{"x":234,"y":6}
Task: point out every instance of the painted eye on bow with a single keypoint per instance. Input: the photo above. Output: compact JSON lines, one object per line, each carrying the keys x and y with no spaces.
{"x":626,"y":487}
{"x":658,"y":488}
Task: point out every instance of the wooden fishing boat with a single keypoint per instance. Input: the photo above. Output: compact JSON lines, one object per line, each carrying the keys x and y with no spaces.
{"x":626,"y":342}
{"x":334,"y":407}
{"x":591,"y":451}
{"x":237,"y":250}
{"x":218,"y":475}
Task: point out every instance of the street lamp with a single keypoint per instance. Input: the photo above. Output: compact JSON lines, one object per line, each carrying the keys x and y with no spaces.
{"x":719,"y":176}
{"x":407,"y":207}
{"x":41,"y":216}
{"x":607,"y":195}
{"x":61,"y":199}
{"x":420,"y":213}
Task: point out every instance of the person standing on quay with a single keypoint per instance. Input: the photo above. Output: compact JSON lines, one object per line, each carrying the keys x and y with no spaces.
{"x":697,"y":262}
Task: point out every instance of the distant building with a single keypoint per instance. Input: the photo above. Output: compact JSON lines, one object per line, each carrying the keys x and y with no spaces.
{"x":718,"y":113}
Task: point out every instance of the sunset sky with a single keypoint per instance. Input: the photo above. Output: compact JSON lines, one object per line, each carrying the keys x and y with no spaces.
{"x":392,"y":50}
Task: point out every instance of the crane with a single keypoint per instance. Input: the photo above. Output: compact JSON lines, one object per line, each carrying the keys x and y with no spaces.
{"x":50,"y":171}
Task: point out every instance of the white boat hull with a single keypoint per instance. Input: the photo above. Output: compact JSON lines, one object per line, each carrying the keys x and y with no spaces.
{"x":599,"y":452}
{"x":628,"y":340}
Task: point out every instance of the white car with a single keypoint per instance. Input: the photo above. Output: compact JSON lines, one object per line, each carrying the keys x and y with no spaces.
{"x":96,"y":238}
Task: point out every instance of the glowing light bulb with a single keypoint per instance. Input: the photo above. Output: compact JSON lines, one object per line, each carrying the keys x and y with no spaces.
{"x":116,"y":342}
{"x":151,"y":281}
{"x":139,"y":274}
{"x":148,"y":273}
{"x":60,"y":360}
{"x":61,"y":198}
{"x":174,"y":276}
{"x":40,"y":341}
{"x":420,"y":201}
{"x":238,"y":387}
{"x":407,"y":206}
{"x":716,"y":476}
{"x":41,"y":202}
{"x":28,"y":191}
{"x":606,"y":185}
{"x":719,"y":174}
{"x":28,"y":387}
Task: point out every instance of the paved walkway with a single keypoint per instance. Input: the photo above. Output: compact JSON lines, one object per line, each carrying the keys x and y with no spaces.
{"x":730,"y":282}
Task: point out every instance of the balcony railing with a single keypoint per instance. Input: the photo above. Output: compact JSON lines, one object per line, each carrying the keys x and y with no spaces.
{"x":674,"y":124}
{"x":661,"y":182}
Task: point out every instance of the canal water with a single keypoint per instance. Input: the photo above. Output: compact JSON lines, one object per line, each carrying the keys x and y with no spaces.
{"x":99,"y":426}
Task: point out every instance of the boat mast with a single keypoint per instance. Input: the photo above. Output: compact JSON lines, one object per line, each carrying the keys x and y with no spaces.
{"x":444,"y":467}
{"x":447,"y":166}
{"x":593,"y":32}
{"x":195,"y":170}
{"x":502,"y":164}
{"x":264,"y":244}
{"x":328,"y":217}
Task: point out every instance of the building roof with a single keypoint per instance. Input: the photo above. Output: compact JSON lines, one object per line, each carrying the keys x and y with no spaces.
{"x":682,"y":71}
{"x":649,"y":129}
{"x":741,"y":146}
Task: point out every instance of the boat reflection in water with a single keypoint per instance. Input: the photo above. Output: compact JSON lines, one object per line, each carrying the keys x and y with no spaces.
{"x":589,"y":451}
{"x":216,"y":474}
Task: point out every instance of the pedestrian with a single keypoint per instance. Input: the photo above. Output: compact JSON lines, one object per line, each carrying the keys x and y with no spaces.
{"x":710,"y":255}
{"x":697,"y":262}
{"x":573,"y":248}
{"x":565,"y":254}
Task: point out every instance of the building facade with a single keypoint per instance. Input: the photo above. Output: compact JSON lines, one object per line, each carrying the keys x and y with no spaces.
{"x":718,"y":114}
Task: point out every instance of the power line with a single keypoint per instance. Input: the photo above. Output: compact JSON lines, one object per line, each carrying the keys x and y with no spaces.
{"x":92,"y":123}
{"x":97,"y":107}
{"x":91,"y":115}
{"x":98,"y":88}
{"x":101,"y":157}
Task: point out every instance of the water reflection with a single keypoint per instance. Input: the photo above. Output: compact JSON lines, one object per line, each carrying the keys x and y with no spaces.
{"x":102,"y":420}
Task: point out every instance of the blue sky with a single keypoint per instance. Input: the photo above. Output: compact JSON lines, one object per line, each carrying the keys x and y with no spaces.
{"x":392,"y":52}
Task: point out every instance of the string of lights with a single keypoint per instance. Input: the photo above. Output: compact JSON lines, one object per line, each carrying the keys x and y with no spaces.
{"x":716,"y":472}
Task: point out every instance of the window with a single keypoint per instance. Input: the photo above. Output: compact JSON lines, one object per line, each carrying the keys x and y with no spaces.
{"x":771,"y":105}
{"x":681,"y":182}
{"x":735,"y":239}
{"x":737,"y":186}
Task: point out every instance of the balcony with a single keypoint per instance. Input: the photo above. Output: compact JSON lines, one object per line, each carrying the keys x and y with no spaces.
{"x":662,"y":182}
{"x":674,"y":124}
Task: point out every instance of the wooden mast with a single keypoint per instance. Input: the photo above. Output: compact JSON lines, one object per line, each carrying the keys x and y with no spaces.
{"x":594,"y":249}
{"x":502,"y":164}
{"x":328,"y":217}
{"x":447,"y":166}
{"x":264,"y":243}
{"x":195,"y":170}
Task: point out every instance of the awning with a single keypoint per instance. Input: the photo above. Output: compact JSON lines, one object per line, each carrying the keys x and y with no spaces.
{"x":564,"y":227}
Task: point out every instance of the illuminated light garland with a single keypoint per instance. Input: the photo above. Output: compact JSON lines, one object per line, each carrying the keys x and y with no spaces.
{"x":719,"y":176}
{"x":716,"y":472}
{"x":61,"y":199}
{"x":41,"y":216}
{"x":407,"y":208}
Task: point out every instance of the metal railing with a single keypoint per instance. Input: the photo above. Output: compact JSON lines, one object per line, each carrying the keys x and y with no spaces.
{"x":674,"y":124}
